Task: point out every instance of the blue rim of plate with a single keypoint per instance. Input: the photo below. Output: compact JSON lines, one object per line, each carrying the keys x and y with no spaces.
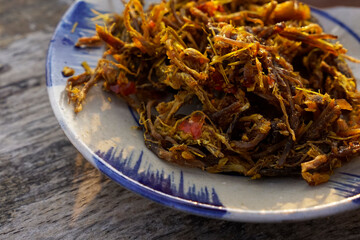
{"x":189,"y":206}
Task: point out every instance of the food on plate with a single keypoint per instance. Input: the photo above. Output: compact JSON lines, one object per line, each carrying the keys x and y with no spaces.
{"x":68,"y":72}
{"x":246,"y":86}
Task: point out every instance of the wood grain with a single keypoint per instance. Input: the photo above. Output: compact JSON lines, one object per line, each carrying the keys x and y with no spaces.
{"x":49,"y":191}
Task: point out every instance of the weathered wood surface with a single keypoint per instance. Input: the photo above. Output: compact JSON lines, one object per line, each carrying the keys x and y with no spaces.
{"x":49,"y":191}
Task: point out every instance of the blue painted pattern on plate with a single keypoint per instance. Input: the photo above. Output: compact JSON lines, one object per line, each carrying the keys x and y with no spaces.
{"x":158,"y":180}
{"x":348,"y":185}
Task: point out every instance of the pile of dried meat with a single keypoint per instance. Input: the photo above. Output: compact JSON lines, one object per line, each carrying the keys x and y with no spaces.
{"x":248,"y":86}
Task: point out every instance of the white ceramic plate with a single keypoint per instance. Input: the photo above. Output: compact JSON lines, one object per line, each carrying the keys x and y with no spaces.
{"x":103,"y":133}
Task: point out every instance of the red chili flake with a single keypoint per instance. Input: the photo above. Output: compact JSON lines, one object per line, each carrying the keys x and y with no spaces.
{"x":192,"y":126}
{"x":210,"y":8}
{"x":125,"y":89}
{"x":152,"y":24}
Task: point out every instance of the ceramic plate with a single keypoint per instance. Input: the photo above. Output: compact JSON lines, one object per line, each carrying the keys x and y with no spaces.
{"x":103,"y":132}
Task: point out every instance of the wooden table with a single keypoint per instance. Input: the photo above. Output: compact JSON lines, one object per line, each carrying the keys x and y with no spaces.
{"x":49,"y":191}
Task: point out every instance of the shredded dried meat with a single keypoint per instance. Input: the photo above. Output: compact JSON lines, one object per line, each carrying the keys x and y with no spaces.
{"x":248,"y":86}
